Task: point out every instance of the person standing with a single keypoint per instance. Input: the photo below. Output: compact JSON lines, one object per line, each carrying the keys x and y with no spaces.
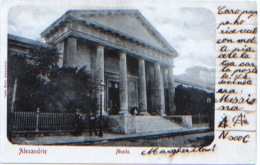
{"x":92,"y":123}
{"x":78,"y":123}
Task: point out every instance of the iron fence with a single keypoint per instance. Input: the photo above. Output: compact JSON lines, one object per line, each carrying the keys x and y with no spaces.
{"x":51,"y":122}
{"x":43,"y":121}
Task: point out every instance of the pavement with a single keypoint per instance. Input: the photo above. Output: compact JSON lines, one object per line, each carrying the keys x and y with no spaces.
{"x":87,"y":139}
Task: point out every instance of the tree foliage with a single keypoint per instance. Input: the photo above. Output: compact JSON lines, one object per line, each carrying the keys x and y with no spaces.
{"x":69,"y":90}
{"x":193,"y":101}
{"x":43,"y":58}
{"x":41,"y":83}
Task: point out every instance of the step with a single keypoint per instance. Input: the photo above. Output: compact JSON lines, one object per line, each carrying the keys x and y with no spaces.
{"x":155,"y":124}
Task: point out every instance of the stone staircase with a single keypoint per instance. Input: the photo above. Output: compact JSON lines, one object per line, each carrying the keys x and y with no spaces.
{"x":155,"y":124}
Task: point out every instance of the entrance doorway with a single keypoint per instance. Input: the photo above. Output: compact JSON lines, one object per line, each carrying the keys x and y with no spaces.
{"x":113,"y":98}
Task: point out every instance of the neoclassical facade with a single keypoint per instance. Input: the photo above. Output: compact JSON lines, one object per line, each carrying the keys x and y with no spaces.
{"x":119,"y":48}
{"x":122,"y":49}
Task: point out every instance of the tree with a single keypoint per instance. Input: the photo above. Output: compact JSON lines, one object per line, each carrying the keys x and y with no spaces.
{"x":43,"y":58}
{"x":70,"y":89}
{"x":25,"y":73}
{"x":193,"y":101}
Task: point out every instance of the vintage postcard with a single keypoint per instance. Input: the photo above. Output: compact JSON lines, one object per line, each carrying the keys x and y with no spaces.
{"x":128,"y":82}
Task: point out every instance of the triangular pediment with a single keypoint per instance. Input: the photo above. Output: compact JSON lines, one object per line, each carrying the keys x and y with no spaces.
{"x":129,"y":22}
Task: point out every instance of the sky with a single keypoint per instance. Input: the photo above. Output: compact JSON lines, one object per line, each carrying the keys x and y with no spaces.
{"x":190,"y":31}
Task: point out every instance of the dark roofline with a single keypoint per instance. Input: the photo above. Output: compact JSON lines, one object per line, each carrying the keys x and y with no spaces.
{"x":206,"y":86}
{"x":27,"y":41}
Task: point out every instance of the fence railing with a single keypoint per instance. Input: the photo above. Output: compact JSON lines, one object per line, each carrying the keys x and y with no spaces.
{"x":43,"y":121}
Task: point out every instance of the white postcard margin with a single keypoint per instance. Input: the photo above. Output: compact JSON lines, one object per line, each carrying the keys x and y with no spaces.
{"x":224,"y":151}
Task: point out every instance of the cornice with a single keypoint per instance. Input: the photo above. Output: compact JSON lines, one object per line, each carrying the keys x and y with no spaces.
{"x":69,"y":18}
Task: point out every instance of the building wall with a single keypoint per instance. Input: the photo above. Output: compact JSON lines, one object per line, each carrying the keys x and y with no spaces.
{"x":204,"y":75}
{"x":132,"y":66}
{"x":201,"y":74}
{"x":212,"y":75}
{"x":111,"y":62}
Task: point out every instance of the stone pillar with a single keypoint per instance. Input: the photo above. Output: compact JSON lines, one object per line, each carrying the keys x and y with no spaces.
{"x":99,"y":74}
{"x":159,"y":90}
{"x":162,"y":91}
{"x":172,"y":106}
{"x":142,"y":88}
{"x":61,"y":51}
{"x":165,"y":76}
{"x":71,"y":52}
{"x":152,"y":90}
{"x":123,"y":91}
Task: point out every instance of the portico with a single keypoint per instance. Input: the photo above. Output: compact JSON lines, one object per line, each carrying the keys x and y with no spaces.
{"x":132,"y":59}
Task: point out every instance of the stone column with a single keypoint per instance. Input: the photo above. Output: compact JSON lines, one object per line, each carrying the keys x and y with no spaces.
{"x":159,"y":90}
{"x":60,"y":47}
{"x":172,"y":106}
{"x":142,"y":88}
{"x":123,"y":90}
{"x":152,"y":90}
{"x":162,"y":91}
{"x":71,"y":52}
{"x":99,"y":74}
{"x":165,"y":76}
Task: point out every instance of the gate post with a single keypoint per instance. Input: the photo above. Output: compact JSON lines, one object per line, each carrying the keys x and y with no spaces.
{"x":37,"y":119}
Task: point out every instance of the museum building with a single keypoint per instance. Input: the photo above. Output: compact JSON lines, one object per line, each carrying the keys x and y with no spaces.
{"x":124,"y":51}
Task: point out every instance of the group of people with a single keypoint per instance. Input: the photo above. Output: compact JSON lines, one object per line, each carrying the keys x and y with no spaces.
{"x":80,"y":120}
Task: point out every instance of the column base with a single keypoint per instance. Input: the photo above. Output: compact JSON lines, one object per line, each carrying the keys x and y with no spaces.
{"x":172,"y":111}
{"x":124,"y":124}
{"x":161,"y":113}
{"x":144,"y":113}
{"x":104,"y":113}
{"x":124,"y":112}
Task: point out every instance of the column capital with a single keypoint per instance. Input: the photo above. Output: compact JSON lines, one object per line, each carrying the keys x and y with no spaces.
{"x":122,"y":53}
{"x":140,"y":59}
{"x":72,"y":37}
{"x":99,"y":46}
{"x":156,"y":63}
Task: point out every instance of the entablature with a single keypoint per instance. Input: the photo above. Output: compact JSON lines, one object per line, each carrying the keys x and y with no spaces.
{"x":80,"y":28}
